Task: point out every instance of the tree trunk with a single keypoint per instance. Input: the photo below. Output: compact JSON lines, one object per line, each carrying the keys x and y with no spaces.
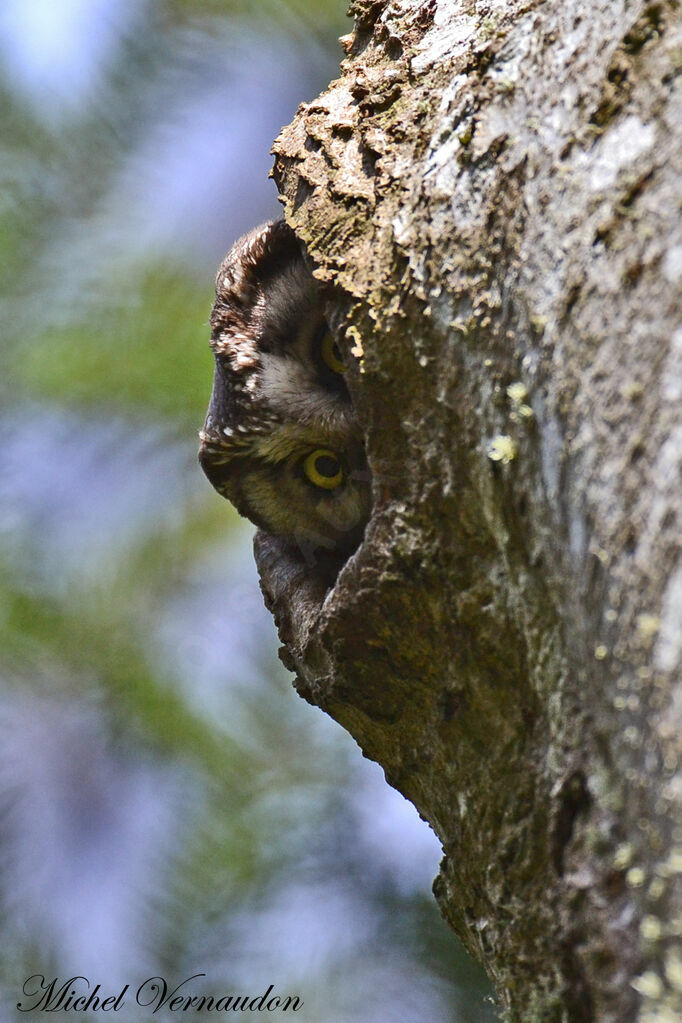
{"x":488,"y":194}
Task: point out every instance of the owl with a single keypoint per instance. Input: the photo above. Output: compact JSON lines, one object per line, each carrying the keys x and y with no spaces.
{"x":281,"y":440}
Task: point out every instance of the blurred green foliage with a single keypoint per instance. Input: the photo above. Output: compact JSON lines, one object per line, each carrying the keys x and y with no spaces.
{"x":149,"y":351}
{"x":324,"y":19}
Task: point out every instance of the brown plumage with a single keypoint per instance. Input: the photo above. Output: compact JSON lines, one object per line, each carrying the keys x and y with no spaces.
{"x":281,"y":440}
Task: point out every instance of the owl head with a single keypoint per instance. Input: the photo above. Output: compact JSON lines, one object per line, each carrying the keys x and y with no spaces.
{"x":281,"y":440}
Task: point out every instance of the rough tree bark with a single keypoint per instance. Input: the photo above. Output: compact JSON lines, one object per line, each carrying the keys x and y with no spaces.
{"x":489,"y":195}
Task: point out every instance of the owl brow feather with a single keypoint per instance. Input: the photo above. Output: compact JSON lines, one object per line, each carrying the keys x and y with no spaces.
{"x":219,"y":450}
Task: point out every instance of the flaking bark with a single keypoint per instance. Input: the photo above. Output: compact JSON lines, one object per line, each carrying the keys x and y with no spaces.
{"x":490,"y":195}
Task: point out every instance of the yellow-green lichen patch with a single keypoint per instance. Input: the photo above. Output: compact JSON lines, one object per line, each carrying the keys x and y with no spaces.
{"x":502,"y":449}
{"x":648,"y":984}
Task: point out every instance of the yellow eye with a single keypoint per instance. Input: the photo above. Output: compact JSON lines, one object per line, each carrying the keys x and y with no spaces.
{"x":323,"y":468}
{"x":331,"y":354}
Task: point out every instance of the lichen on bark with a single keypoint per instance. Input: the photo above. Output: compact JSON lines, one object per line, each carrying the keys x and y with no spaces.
{"x":489,"y":194}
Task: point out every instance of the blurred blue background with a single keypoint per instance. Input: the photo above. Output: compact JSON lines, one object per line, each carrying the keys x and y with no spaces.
{"x":168,"y":805}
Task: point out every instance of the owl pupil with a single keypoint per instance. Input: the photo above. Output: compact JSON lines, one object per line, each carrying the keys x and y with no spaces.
{"x":331,"y":354}
{"x":327,"y":466}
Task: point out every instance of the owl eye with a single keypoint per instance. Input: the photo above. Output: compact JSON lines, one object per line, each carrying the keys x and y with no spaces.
{"x":331,"y":354}
{"x":323,"y":469}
